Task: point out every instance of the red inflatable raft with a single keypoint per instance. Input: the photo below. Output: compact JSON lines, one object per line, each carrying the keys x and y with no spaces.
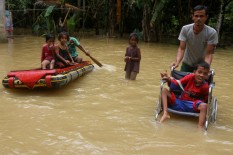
{"x":37,"y":78}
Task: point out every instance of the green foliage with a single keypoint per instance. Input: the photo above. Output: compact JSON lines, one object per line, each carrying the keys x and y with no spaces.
{"x":19,"y":8}
{"x":139,"y":34}
{"x":166,"y":16}
{"x":45,"y":22}
{"x":158,"y":10}
{"x":48,"y":11}
{"x":19,"y":4}
{"x":228,"y":21}
{"x":72,"y":22}
{"x":141,"y":3}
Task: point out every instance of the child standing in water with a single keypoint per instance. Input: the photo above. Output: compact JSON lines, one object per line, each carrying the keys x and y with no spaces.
{"x":132,"y":58}
{"x":63,"y":57}
{"x":47,"y":56}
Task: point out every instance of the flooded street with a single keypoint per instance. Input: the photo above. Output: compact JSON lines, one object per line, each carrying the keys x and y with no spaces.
{"x":101,"y":113}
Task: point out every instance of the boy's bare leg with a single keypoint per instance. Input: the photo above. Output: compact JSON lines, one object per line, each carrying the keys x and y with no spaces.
{"x":165,"y":95}
{"x":202,"y":116}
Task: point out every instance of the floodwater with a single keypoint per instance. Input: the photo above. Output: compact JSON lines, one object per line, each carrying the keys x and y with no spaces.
{"x":102,"y":113}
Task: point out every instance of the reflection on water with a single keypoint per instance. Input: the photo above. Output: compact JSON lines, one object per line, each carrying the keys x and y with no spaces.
{"x":102,"y":113}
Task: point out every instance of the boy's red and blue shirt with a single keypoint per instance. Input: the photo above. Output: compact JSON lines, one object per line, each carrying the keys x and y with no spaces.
{"x":191,"y":92}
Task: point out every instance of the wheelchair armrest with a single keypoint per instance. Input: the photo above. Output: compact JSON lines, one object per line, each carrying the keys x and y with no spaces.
{"x":162,"y":82}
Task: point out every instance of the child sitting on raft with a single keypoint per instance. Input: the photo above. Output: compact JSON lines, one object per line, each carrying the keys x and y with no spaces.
{"x":72,"y":44}
{"x":63,"y":57}
{"x":47,"y":54}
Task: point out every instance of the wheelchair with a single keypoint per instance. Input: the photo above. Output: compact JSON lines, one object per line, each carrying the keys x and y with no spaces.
{"x":212,"y":103}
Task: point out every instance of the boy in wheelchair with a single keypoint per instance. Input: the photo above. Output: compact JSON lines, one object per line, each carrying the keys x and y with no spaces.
{"x":194,"y":93}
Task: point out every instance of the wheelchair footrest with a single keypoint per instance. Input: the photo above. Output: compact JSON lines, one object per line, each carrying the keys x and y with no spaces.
{"x":183,"y":113}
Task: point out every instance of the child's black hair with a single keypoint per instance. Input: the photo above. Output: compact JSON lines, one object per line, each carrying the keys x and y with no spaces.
{"x":49,"y":36}
{"x":203,"y":64}
{"x":63,"y":34}
{"x":134,"y":35}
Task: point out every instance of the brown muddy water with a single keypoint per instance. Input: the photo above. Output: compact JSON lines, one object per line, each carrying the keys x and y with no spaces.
{"x":102,"y":113}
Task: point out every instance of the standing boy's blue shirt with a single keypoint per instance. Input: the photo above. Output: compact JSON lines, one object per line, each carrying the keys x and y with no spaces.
{"x":72,"y":43}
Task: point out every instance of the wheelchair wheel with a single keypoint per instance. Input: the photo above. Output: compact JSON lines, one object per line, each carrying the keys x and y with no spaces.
{"x":158,"y":108}
{"x":206,"y":124}
{"x":214,"y":109}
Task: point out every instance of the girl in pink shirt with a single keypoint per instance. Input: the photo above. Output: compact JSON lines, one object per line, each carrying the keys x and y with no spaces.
{"x":47,"y":56}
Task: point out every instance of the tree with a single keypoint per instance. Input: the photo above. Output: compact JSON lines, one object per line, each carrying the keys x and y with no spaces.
{"x":94,"y":8}
{"x":221,"y":15}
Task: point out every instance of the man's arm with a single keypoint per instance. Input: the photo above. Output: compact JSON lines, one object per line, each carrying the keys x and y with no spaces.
{"x":180,"y":54}
{"x":209,"y":53}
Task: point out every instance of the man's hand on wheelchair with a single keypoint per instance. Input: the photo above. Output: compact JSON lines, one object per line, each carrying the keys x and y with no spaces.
{"x":174,"y":65}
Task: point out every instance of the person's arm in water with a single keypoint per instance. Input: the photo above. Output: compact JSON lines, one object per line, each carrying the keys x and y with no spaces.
{"x":180,"y":54}
{"x":209,"y":53}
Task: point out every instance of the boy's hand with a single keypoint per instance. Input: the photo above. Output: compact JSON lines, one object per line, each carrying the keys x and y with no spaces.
{"x":165,"y":77}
